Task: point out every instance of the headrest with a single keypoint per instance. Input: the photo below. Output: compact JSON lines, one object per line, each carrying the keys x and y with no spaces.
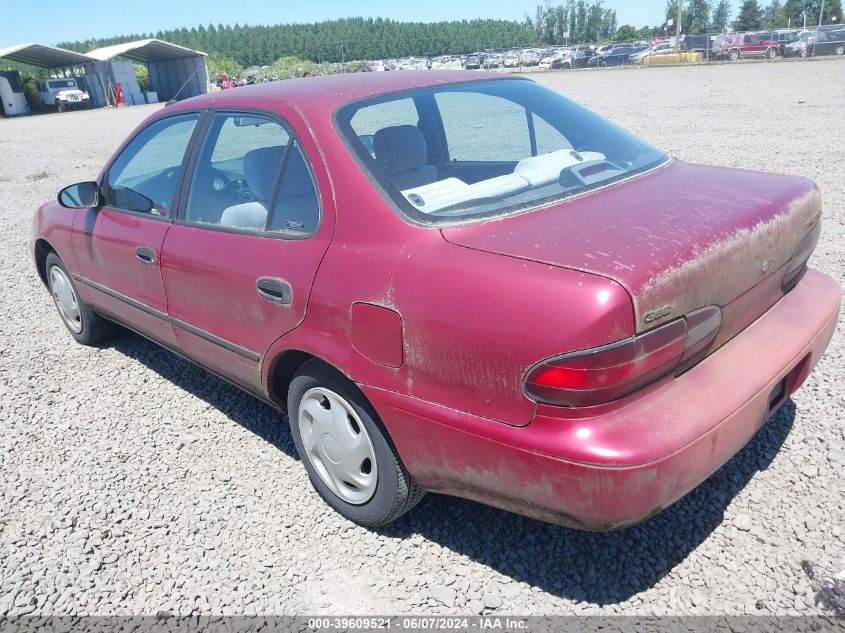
{"x":400,"y":148}
{"x":260,"y":169}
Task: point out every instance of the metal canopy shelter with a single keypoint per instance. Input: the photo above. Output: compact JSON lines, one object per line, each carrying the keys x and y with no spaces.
{"x":175,"y":71}
{"x":44,"y":56}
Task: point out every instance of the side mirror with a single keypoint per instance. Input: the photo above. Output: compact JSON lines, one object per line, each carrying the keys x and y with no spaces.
{"x":82,"y":195}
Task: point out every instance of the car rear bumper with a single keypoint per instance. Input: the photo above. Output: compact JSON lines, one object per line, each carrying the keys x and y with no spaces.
{"x":617,"y":468}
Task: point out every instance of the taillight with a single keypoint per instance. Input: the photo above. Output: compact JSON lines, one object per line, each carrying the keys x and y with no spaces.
{"x":796,"y":266}
{"x":601,"y":374}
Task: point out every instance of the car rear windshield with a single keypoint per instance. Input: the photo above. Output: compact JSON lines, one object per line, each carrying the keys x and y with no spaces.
{"x":483,"y":149}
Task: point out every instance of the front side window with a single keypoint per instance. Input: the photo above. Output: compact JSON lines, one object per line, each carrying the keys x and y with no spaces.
{"x":488,"y":148}
{"x":252,"y":175}
{"x":143,"y":178}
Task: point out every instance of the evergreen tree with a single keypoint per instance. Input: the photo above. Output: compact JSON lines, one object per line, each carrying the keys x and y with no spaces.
{"x":773,"y":16}
{"x":696,"y":16}
{"x":721,"y":16}
{"x":750,"y":16}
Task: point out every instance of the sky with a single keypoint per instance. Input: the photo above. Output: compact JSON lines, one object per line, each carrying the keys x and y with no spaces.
{"x":53,"y":21}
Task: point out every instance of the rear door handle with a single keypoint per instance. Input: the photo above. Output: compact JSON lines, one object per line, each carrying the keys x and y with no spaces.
{"x":145,"y":255}
{"x":275,"y":290}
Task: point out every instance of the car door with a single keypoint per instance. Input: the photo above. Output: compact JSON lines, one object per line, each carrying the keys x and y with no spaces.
{"x":239,"y":262}
{"x":118,"y":246}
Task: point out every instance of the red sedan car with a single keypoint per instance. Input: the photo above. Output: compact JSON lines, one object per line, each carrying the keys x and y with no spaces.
{"x":462,"y":283}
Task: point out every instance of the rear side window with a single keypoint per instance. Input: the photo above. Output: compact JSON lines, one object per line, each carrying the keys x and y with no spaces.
{"x":251,"y":175}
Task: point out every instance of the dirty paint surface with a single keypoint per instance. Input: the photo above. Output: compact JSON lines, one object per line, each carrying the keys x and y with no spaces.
{"x":680,"y":238}
{"x":620,"y":466}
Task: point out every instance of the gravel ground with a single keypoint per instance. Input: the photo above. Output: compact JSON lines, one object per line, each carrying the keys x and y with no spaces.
{"x":133,"y":482}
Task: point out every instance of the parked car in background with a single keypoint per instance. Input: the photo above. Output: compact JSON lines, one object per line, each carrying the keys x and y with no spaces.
{"x":785,"y":38}
{"x":530,"y":58}
{"x":702,"y":43}
{"x":492,"y":60}
{"x":614,"y":57}
{"x":651,"y":51}
{"x":472,"y":63}
{"x":818,"y":42}
{"x":511,"y":60}
{"x":339,"y":246}
{"x":554,"y":61}
{"x":579,"y":59}
{"x":733,"y":46}
{"x":62,"y":94}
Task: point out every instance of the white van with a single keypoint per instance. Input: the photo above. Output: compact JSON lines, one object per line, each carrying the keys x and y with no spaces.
{"x":12,"y":98}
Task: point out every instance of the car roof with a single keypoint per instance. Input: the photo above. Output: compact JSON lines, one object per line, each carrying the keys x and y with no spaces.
{"x":333,"y":91}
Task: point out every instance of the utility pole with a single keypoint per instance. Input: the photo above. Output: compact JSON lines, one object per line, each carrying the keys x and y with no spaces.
{"x":678,"y":30}
{"x":821,"y":12}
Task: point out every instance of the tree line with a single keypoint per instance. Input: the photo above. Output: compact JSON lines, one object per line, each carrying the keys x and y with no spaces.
{"x":710,"y":16}
{"x":336,"y":40}
{"x":571,"y":21}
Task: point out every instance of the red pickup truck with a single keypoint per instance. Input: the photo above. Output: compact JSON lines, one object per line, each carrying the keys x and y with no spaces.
{"x":735,"y":45}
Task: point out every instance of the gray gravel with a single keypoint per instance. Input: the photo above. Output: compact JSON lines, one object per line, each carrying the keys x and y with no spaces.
{"x":133,"y":482}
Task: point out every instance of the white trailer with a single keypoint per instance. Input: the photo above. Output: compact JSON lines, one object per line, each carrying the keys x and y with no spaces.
{"x":12,"y":98}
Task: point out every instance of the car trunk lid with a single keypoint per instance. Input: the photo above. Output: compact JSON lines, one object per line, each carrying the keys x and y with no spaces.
{"x":679,"y":238}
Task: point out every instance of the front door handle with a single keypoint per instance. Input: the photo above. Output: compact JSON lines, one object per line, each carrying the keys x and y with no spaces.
{"x":145,"y":255}
{"x":275,"y":290}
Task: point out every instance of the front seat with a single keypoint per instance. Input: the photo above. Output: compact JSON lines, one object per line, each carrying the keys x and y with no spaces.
{"x":402,"y":153}
{"x":260,"y":168}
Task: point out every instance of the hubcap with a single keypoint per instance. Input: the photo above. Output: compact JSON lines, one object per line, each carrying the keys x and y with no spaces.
{"x":337,"y":445}
{"x":65,"y":298}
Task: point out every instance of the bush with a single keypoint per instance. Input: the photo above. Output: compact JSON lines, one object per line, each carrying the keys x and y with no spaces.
{"x":142,"y":74}
{"x":217,"y":64}
{"x":30,"y":91}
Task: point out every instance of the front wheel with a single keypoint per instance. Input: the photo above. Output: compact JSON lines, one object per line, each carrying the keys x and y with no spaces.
{"x":840,"y":50}
{"x":84,"y":325}
{"x":603,"y":64}
{"x":733,"y":55}
{"x":771,"y":53}
{"x":350,"y":459}
{"x":60,"y":107}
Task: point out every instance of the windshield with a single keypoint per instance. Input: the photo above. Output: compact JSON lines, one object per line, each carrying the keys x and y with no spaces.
{"x":485,"y":149}
{"x":61,"y":83}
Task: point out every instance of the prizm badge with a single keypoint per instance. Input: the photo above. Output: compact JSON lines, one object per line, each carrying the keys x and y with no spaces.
{"x":655,"y":315}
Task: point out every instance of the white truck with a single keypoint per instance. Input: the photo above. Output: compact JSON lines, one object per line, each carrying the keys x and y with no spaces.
{"x":62,"y":94}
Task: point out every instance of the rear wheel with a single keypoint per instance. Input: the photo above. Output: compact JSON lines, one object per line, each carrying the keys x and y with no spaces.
{"x":84,"y":325}
{"x":350,"y":459}
{"x":733,"y":55}
{"x":840,"y":50}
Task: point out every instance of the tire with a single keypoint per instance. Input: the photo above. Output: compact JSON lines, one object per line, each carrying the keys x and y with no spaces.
{"x":603,"y":64}
{"x":771,"y":53}
{"x":84,"y":325}
{"x":60,"y":107}
{"x":383,"y":490}
{"x":733,"y":55}
{"x":840,"y":50}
